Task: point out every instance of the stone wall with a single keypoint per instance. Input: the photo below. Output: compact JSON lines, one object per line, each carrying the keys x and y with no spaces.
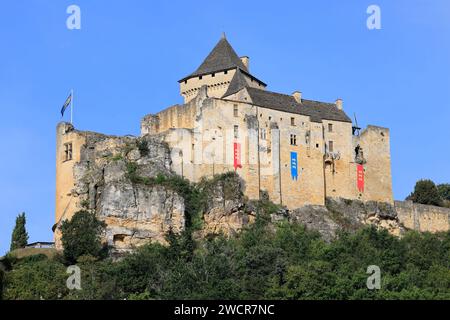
{"x":423,"y":218}
{"x":201,"y":136}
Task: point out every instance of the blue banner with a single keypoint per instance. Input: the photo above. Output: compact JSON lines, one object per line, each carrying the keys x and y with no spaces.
{"x":294,"y":166}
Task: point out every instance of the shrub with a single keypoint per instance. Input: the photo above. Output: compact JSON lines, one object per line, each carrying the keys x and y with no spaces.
{"x":143,"y":147}
{"x":82,"y":236}
{"x":36,"y":280}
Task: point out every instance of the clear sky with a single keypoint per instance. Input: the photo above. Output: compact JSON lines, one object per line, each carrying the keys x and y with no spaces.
{"x":126,"y":60}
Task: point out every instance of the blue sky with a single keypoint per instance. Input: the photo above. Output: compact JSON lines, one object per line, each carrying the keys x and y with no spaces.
{"x":126,"y":60}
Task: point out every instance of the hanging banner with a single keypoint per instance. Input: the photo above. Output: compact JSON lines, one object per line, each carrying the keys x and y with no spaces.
{"x":237,"y":155}
{"x":360,"y":177}
{"x":294,"y":166}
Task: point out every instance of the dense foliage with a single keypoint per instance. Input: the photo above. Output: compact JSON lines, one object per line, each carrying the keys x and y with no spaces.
{"x":81,"y":236}
{"x":2,"y":275}
{"x":426,"y":192}
{"x":282,"y":262}
{"x":19,"y":238}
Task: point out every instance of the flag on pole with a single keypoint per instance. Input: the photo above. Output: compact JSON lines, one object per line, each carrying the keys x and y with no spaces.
{"x":66,"y":104}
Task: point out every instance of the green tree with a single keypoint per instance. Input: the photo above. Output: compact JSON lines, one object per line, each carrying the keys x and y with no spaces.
{"x":82,"y":236}
{"x":426,"y":192}
{"x":19,"y":238}
{"x":444,"y":190}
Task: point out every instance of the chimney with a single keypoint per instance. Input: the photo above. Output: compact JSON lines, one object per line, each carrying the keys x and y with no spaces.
{"x":339,"y":103}
{"x":297,"y":96}
{"x":246,"y":60}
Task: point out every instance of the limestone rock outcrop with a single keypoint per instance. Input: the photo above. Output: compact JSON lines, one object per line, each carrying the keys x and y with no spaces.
{"x":226,"y":211}
{"x":347,"y":215}
{"x":135,"y":212}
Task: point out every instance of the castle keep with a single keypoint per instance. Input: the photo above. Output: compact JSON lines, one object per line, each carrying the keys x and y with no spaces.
{"x":296,"y":150}
{"x":293,"y":150}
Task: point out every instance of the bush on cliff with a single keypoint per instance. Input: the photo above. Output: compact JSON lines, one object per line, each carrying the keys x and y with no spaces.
{"x":81,"y":236}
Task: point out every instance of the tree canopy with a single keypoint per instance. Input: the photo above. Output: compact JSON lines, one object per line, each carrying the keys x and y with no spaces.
{"x":81,"y":236}
{"x":426,"y":192}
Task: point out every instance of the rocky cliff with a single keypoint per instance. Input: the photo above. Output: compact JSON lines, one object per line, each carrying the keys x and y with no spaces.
{"x":128,"y":183}
{"x":114,"y":179}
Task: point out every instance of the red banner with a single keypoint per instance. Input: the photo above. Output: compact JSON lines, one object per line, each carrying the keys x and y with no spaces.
{"x":360,"y":177}
{"x":237,"y":155}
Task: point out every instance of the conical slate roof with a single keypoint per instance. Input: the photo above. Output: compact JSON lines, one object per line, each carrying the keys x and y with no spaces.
{"x":222,"y":57}
{"x":237,"y":83}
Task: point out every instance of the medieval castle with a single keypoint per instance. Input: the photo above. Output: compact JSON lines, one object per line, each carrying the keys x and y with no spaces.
{"x":294,"y":151}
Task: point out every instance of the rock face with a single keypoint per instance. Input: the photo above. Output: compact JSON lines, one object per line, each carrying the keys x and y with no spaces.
{"x":226,"y":211}
{"x":135,"y":211}
{"x":347,"y":215}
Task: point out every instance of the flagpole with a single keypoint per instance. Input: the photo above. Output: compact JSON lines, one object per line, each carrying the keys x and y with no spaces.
{"x":71,"y":107}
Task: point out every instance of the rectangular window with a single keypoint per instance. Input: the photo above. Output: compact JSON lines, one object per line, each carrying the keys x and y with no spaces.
{"x":67,"y":151}
{"x":235,"y":110}
{"x":330,"y":146}
{"x":293,"y":140}
{"x":213,"y":75}
{"x":236,"y":132}
{"x":292,"y":121}
{"x":330,"y":127}
{"x":200,"y":77}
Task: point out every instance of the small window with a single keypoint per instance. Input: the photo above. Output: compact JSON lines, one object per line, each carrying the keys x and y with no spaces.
{"x":200,"y":78}
{"x":270,"y":118}
{"x":185,"y":81}
{"x":293,"y":140}
{"x":67,"y":151}
{"x":317,"y":145}
{"x":292,"y":121}
{"x":236,"y":132}
{"x":213,"y":75}
{"x":330,"y":127}
{"x":225,"y":72}
{"x":330,"y":146}
{"x":235,"y":110}
{"x":263,"y":134}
